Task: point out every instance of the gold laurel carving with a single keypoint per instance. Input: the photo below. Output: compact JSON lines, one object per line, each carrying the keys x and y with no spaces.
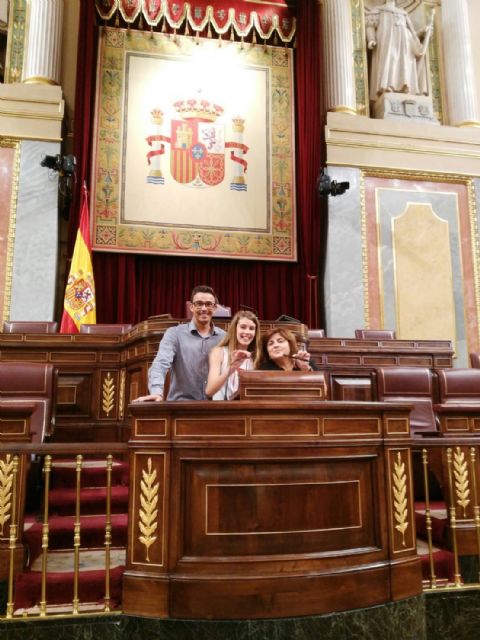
{"x":462,"y":485}
{"x":108,"y":394}
{"x":148,"y":512}
{"x":6,"y":480}
{"x":400,"y":496}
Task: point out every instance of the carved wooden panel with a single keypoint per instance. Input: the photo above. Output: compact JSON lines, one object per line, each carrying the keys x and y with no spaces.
{"x":148,"y":509}
{"x":74,"y":394}
{"x":136,"y":382}
{"x":350,"y":388}
{"x":268,"y":507}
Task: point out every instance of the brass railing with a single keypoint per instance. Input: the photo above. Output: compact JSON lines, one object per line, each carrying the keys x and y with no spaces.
{"x":15,"y":462}
{"x":450,"y":467}
{"x":446,"y":485}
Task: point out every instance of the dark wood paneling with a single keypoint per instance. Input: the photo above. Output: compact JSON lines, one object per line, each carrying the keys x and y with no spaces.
{"x":79,"y":359}
{"x":273,"y":517}
{"x":272,"y":508}
{"x":75,"y":394}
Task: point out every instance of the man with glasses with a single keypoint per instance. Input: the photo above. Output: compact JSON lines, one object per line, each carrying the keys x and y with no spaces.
{"x":184,"y":351}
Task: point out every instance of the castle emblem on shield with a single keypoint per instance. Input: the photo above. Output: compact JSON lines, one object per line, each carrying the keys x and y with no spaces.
{"x":197,"y":146}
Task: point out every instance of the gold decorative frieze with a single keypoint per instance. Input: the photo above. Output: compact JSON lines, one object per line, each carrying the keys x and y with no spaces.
{"x":148,"y":511}
{"x":400,"y":497}
{"x":6,"y":481}
{"x":462,"y":485}
{"x":16,"y":40}
{"x":121,"y":395}
{"x":8,"y":228}
{"x":360,"y":57}
{"x":108,"y":394}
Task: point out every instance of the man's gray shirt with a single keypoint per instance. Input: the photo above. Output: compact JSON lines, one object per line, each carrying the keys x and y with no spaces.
{"x":184,"y":352}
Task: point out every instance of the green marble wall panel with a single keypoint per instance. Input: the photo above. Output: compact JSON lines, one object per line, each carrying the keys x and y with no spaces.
{"x":404,"y":620}
{"x":453,"y":615}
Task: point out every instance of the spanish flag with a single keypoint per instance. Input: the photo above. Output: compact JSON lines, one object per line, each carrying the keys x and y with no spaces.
{"x":79,"y":302}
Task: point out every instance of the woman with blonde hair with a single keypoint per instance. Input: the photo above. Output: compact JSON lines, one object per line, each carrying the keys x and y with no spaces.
{"x":241,"y":348}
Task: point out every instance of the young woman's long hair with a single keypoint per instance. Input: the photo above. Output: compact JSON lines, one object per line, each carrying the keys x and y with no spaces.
{"x":230,"y":340}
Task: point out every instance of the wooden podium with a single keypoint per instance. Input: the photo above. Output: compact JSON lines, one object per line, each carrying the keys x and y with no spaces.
{"x":267,"y":509}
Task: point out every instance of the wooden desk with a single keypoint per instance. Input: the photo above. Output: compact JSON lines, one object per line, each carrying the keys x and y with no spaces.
{"x":350,"y":363}
{"x":99,"y":375}
{"x":244,"y":510}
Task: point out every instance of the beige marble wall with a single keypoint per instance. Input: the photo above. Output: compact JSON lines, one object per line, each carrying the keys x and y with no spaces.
{"x":474,"y":9}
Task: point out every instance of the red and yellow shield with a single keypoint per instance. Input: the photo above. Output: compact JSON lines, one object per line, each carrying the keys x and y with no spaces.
{"x":197,"y":152}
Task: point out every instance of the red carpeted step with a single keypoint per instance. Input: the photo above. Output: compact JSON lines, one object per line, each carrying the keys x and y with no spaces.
{"x":92,"y":533}
{"x":91,"y":587}
{"x":93,"y":473}
{"x":92,"y":500}
{"x":62,"y":499}
{"x":439,"y":516}
{"x":443,"y":563}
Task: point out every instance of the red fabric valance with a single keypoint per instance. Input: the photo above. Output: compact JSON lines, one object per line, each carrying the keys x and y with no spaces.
{"x":222,"y":17}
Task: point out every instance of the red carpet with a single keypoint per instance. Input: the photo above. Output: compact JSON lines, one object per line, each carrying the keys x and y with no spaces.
{"x":443,"y":559}
{"x":91,"y":588}
{"x":92,"y":539}
{"x":61,"y":533}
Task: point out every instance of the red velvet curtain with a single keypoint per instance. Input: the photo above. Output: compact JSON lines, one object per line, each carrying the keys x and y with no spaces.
{"x":129,"y":288}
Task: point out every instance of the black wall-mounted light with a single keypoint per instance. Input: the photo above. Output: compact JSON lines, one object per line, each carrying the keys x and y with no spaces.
{"x":65,"y":167}
{"x":328,"y":187}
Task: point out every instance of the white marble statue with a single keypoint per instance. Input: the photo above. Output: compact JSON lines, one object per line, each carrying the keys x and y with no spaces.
{"x":398,"y":51}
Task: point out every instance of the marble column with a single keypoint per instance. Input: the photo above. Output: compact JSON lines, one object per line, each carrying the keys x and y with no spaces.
{"x":44,"y":42}
{"x":338,"y":56}
{"x":459,"y":72}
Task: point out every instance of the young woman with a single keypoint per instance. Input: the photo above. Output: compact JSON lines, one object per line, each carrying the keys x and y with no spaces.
{"x":283,"y":354}
{"x":241,"y":348}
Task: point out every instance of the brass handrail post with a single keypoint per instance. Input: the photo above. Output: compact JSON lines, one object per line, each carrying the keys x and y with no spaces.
{"x":45,"y":534}
{"x":476,"y":507}
{"x":13,"y":538}
{"x":428,"y":519}
{"x":108,"y":532}
{"x":453,"y":521}
{"x":76,"y":534}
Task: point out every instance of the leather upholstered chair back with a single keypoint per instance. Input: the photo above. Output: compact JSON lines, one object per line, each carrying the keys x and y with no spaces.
{"x":475,"y":360}
{"x":409,"y":384}
{"x":459,"y":386}
{"x":375,"y":334}
{"x":26,"y":326}
{"x":32,"y":382}
{"x":316,"y":333}
{"x":105,"y":329}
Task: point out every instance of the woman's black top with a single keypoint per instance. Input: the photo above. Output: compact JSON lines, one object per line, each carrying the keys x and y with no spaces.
{"x":270,"y":365}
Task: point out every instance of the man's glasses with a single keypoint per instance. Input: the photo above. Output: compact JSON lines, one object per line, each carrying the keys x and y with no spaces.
{"x":198,"y":304}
